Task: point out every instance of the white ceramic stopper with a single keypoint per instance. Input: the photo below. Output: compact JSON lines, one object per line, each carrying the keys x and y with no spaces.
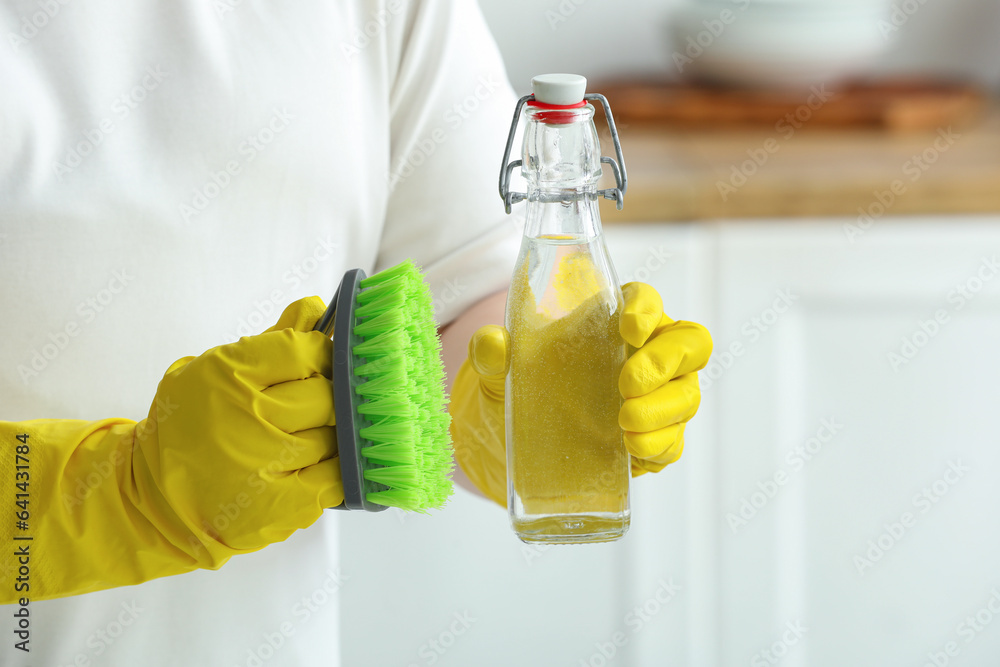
{"x":561,"y":89}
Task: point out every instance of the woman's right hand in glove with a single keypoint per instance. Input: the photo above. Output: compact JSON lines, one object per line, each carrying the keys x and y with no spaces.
{"x":238,"y":452}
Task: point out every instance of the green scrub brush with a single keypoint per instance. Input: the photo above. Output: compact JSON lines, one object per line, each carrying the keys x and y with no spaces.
{"x":388,"y":382}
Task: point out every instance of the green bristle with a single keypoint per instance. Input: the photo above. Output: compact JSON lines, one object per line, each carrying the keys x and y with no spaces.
{"x":392,"y":300}
{"x":382,"y":366}
{"x":390,"y":453}
{"x":410,"y":450}
{"x":396,"y":476}
{"x":389,"y":406}
{"x":442,"y":422}
{"x":406,"y":268}
{"x":382,"y":345}
{"x":369,"y":293}
{"x":389,"y":431}
{"x":422,"y":305}
{"x":387,"y":321}
{"x":404,"y":500}
{"x":381,"y":385}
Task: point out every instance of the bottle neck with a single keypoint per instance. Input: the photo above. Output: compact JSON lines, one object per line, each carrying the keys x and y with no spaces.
{"x":562,"y":165}
{"x":571,"y":213}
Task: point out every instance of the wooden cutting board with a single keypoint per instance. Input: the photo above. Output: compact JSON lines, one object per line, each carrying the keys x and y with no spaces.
{"x":894,"y":104}
{"x":699,"y":170}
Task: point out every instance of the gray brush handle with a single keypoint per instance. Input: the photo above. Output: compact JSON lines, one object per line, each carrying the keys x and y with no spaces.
{"x":346,"y":399}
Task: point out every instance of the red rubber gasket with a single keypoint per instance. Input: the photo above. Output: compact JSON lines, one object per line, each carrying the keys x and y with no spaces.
{"x":543,"y":105}
{"x":557,"y":114}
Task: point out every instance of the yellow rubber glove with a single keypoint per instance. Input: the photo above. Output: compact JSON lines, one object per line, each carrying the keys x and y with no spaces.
{"x":238,"y":452}
{"x":659,"y":383}
{"x":477,"y":412}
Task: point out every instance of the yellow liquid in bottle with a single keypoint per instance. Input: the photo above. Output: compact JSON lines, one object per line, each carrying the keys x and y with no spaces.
{"x":567,"y":466}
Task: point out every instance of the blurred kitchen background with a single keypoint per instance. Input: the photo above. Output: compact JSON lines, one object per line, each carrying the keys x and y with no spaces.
{"x":819,"y":183}
{"x":951,"y":38}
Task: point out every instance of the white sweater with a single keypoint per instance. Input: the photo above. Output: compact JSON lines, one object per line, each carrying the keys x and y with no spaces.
{"x":172,"y":174}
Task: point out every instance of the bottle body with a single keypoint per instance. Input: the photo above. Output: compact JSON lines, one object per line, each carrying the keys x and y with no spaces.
{"x":567,"y":468}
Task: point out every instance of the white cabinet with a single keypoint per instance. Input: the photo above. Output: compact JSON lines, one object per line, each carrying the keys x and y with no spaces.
{"x":887,"y":537}
{"x":835,"y":505}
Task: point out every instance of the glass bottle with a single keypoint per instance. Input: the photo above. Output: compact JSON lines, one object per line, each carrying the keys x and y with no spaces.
{"x":567,"y":468}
